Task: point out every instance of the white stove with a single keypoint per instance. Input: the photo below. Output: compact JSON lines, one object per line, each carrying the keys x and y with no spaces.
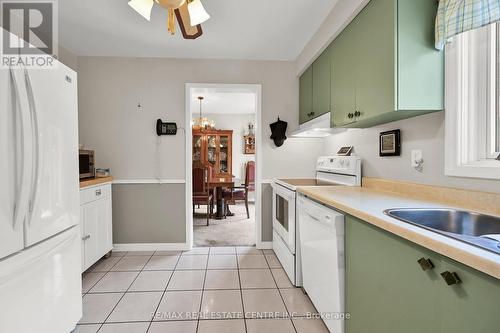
{"x":330,"y":171}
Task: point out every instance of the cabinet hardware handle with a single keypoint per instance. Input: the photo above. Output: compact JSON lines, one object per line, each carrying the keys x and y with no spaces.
{"x":451,"y":278}
{"x":357,"y":114}
{"x":350,"y":115}
{"x":310,"y":114}
{"x":98,"y":192}
{"x":86,"y":238}
{"x":425,"y":264}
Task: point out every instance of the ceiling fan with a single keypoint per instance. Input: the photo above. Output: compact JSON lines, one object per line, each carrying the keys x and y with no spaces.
{"x":189,"y":13}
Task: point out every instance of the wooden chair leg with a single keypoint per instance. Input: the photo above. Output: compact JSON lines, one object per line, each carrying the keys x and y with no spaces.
{"x":208,"y":212}
{"x":246,"y":205}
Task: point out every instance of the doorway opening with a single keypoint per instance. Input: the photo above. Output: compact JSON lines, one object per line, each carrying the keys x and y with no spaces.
{"x":223,"y":164}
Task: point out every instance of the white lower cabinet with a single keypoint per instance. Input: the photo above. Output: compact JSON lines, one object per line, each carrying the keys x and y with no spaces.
{"x":96,"y":223}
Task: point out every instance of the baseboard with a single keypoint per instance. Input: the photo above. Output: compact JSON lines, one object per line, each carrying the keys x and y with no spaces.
{"x":151,"y":247}
{"x":265,"y":245}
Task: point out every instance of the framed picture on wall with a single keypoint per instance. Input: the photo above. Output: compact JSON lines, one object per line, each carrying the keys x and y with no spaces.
{"x":390,"y":143}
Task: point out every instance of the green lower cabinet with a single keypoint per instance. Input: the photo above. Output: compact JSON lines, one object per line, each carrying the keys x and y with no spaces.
{"x":472,"y":305}
{"x":387,"y":290}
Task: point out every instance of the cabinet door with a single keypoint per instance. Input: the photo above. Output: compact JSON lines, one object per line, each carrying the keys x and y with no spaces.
{"x":321,"y":85}
{"x":343,"y":88}
{"x":198,"y":148}
{"x":305,"y":95}
{"x":82,"y":237}
{"x":373,"y":31}
{"x":472,"y":305}
{"x":387,"y":291}
{"x":224,"y":153}
{"x":91,"y":245}
{"x":211,"y":152}
{"x":104,"y":227}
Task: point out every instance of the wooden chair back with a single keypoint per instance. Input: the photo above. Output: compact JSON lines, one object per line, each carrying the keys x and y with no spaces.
{"x":250,"y":176}
{"x":200,"y":178}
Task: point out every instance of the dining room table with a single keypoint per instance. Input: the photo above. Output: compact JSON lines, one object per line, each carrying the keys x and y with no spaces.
{"x":218,"y":184}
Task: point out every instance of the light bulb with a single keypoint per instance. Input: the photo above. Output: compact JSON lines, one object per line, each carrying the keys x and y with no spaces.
{"x":197,"y":13}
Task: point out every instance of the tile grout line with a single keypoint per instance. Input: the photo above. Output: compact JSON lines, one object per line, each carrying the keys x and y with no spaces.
{"x":164,"y":291}
{"x":241,"y":292}
{"x":281,"y":296}
{"x":105,"y":273}
{"x":104,"y":322}
{"x":202,"y":291}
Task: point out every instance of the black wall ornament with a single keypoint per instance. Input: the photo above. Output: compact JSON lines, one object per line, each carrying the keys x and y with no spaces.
{"x":278,"y":130}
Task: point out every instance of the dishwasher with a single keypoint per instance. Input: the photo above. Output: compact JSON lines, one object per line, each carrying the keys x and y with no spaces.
{"x":321,"y":239}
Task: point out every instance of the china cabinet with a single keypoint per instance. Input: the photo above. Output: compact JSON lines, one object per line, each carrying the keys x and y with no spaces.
{"x":215,"y":149}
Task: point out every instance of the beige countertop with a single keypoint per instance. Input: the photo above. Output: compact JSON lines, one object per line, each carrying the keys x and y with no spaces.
{"x":369,"y":203}
{"x":95,"y":181}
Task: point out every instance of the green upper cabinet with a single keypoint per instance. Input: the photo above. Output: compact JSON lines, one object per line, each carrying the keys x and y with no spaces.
{"x":384,"y":66}
{"x":305,"y":95}
{"x":315,"y":89}
{"x":343,"y":84}
{"x":387,"y":291}
{"x":321,"y":84}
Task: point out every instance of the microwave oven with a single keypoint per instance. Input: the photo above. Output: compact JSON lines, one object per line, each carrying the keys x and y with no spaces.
{"x":87,"y":164}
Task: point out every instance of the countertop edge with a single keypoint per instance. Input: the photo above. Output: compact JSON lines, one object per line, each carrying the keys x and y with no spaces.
{"x":95,"y":181}
{"x":479,"y":259}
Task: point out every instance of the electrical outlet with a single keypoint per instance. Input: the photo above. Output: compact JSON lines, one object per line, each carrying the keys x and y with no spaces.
{"x":417,"y":160}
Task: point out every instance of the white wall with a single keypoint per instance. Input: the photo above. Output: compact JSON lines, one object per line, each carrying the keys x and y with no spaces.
{"x":238,"y":123}
{"x":423,"y":132}
{"x":124,"y":136}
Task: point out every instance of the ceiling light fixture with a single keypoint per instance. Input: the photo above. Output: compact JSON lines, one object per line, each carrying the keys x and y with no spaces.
{"x":197,"y":12}
{"x":201,"y":122}
{"x":189,"y":13}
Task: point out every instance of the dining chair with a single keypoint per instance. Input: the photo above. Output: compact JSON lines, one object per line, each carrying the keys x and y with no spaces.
{"x":240,"y":193}
{"x":201,"y":191}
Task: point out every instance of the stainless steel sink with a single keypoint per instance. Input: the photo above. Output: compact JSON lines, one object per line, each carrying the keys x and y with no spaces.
{"x":473,"y":228}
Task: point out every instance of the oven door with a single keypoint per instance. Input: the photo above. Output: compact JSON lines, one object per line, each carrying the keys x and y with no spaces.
{"x":284,"y":215}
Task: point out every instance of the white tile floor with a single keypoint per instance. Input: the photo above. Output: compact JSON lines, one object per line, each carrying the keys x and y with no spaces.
{"x":217,"y":289}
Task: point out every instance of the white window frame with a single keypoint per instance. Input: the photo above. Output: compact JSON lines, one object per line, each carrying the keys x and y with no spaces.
{"x":471,"y":106}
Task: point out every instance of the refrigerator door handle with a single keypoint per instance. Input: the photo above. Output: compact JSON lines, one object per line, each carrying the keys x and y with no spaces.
{"x":36,"y":142}
{"x":22,"y":189}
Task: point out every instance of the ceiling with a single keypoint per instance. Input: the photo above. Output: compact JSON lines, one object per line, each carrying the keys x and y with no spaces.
{"x":238,"y":29}
{"x":223,"y":101}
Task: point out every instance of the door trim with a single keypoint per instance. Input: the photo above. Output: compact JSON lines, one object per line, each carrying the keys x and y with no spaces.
{"x":257,"y":90}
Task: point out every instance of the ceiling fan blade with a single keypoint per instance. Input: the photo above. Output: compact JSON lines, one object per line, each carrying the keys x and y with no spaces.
{"x":188,"y":31}
{"x":143,"y":7}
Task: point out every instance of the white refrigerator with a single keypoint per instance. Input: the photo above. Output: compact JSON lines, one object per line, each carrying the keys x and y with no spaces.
{"x":40,"y":278}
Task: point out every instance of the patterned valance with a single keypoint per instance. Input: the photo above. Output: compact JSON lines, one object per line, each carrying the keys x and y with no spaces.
{"x":457,"y":16}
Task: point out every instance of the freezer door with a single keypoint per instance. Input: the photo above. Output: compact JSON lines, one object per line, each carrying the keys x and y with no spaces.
{"x":41,"y":287}
{"x":54,"y":204}
{"x":13,"y":170}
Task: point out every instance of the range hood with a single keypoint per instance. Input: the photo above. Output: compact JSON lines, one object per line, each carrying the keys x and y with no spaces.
{"x":316,"y":128}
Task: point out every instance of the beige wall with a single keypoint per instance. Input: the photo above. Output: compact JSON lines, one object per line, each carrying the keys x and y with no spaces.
{"x":124,"y":138}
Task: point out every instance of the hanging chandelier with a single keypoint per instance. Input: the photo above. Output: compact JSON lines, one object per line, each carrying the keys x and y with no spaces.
{"x":201,"y":122}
